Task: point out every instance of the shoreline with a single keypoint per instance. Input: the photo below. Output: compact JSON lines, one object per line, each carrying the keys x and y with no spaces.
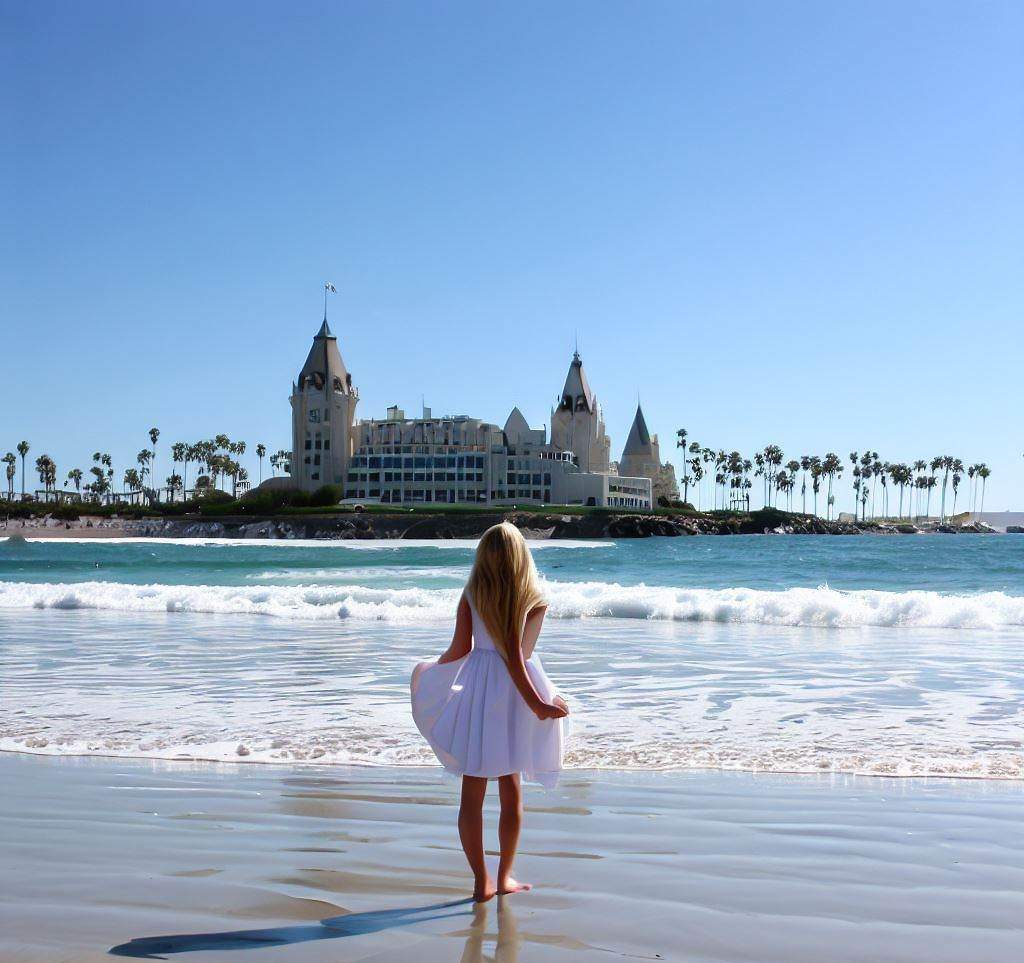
{"x":375,"y":526}
{"x":147,"y":860}
{"x":318,"y":763}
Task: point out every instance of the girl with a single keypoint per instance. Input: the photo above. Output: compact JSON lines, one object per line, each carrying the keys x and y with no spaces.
{"x":486,"y":706}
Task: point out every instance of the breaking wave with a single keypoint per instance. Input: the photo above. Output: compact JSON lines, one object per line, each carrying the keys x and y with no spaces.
{"x":823,"y":606}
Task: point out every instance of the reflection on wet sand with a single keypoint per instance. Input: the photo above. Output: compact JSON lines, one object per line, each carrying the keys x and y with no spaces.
{"x":506,"y":939}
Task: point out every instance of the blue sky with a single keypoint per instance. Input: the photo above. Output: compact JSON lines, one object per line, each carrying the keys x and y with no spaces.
{"x":798,"y":223}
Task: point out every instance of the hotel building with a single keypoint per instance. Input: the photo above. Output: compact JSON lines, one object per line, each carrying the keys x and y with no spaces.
{"x":453,"y":459}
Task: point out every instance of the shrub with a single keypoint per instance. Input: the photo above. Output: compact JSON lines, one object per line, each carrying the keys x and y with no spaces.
{"x":326,"y":495}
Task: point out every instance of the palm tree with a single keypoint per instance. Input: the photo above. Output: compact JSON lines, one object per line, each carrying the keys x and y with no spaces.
{"x":867,"y":468}
{"x":23,"y":449}
{"x":782,"y":482}
{"x":957,"y":468}
{"x":236,"y":448}
{"x":143,"y":458}
{"x":698,"y":473}
{"x":883,"y":477}
{"x":261,"y":451}
{"x":761,"y":472}
{"x":191,"y":454}
{"x":856,"y":481}
{"x":792,"y":467}
{"x":816,"y":473}
{"x":938,"y":463}
{"x":805,"y":465}
{"x":179,"y":451}
{"x":983,"y":472}
{"x":132,"y":480}
{"x":681,"y":434}
{"x":154,"y":433}
{"x":47,"y":469}
{"x":173,"y":483}
{"x":75,"y":477}
{"x":773,"y":459}
{"x":832,"y":468}
{"x":10,"y":461}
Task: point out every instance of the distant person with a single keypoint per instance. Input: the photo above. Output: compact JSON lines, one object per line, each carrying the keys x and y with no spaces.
{"x":486,"y":707}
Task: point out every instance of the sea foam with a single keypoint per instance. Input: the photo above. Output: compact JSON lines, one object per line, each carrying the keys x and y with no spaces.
{"x":822,"y":606}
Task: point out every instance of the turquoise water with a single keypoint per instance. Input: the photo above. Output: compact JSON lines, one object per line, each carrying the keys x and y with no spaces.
{"x":867,"y":654}
{"x":975,"y":563}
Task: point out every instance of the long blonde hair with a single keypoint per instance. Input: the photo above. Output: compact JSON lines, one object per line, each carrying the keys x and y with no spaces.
{"x":503,"y":585}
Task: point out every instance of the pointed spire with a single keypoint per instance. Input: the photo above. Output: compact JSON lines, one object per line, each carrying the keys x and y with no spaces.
{"x":639,"y":439}
{"x":577,"y":388}
{"x":323,"y":363}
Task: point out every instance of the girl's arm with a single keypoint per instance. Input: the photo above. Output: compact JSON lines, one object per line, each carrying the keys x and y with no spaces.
{"x":521,"y":678}
{"x":462,"y":638}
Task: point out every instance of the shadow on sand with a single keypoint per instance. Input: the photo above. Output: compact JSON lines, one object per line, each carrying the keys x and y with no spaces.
{"x":336,"y":927}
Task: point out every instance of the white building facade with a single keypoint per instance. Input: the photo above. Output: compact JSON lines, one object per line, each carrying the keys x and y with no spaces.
{"x":451,"y":460}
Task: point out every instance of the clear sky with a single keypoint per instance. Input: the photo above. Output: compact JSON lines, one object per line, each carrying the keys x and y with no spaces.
{"x":799,"y":223}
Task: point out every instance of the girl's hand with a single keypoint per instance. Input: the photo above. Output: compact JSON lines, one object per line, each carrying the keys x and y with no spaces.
{"x":558,"y":709}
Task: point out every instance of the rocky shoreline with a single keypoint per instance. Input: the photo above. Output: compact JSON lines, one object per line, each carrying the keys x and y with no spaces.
{"x":535,"y":526}
{"x":409,"y":525}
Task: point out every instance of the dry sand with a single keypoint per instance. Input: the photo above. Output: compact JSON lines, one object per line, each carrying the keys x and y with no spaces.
{"x":156,"y":859}
{"x":35,"y":528}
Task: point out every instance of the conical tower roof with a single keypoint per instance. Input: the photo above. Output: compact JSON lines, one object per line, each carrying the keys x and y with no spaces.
{"x":516,"y":424}
{"x":324,"y":359}
{"x":638,"y":442}
{"x":577,"y":387}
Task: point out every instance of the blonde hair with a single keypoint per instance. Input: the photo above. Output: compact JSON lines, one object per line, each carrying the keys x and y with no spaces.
{"x":503,"y":585}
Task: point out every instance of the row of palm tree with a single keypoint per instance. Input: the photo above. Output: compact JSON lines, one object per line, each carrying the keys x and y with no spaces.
{"x":731,"y":477}
{"x":217,"y":458}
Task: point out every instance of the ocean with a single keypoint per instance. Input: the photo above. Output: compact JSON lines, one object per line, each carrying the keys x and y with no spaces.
{"x":892,"y":656}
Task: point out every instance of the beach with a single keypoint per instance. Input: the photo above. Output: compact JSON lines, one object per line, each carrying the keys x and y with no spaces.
{"x":781,"y":749}
{"x":152,"y":859}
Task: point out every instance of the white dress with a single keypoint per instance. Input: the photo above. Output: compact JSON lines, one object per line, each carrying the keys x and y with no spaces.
{"x":476,"y":721}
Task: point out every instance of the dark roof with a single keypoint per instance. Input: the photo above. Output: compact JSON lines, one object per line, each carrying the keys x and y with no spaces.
{"x":324,"y":358}
{"x":639,"y":439}
{"x":576,"y":385}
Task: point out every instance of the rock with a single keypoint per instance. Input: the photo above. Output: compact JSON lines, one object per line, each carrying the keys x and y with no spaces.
{"x":258,"y":530}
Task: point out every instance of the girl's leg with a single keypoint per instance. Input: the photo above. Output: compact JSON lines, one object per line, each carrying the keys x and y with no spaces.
{"x":508,"y":832}
{"x":471,"y":832}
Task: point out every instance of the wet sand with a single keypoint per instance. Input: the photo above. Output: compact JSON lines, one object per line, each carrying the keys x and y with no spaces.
{"x":156,"y":860}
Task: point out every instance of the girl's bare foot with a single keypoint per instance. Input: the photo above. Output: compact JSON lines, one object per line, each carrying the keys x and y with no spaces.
{"x":510,"y":885}
{"x":484,"y":890}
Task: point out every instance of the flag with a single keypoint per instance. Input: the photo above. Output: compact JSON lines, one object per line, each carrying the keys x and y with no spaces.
{"x":330,"y":287}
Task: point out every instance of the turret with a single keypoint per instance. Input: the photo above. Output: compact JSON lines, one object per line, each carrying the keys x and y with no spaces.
{"x":323,"y":414}
{"x":577,"y":424}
